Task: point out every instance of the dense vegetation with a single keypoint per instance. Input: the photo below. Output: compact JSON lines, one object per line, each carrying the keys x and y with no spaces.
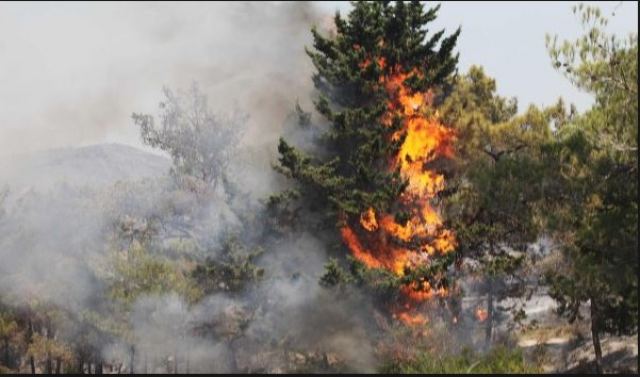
{"x":413,"y":178}
{"x":498,"y":360}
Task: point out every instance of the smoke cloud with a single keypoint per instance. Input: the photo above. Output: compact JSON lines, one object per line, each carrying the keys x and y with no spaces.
{"x":81,"y":71}
{"x":73,"y":73}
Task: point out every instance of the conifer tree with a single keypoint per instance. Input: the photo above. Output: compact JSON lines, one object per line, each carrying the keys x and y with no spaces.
{"x":494,"y":195}
{"x":593,"y":168}
{"x":380,"y":55}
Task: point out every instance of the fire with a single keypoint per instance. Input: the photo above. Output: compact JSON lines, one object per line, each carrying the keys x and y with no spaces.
{"x":368,"y":220}
{"x":481,"y":314}
{"x":382,"y":241}
{"x":412,"y":319}
{"x":358,"y":251}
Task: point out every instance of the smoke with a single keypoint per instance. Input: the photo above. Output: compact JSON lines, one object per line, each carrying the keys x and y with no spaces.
{"x":290,"y":320}
{"x":91,"y":67}
{"x":73,"y":73}
{"x":47,"y":242}
{"x":300,"y":310}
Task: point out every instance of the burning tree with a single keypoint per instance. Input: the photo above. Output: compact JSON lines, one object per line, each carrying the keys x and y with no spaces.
{"x":384,"y":150}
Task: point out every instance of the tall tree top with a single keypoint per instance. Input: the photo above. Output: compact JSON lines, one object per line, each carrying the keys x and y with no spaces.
{"x":393,"y":38}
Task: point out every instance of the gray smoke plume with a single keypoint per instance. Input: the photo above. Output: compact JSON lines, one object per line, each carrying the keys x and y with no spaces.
{"x":64,"y":205}
{"x":81,"y":69}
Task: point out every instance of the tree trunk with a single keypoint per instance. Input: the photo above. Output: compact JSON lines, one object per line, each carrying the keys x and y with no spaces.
{"x":99,"y":367}
{"x":489,"y":325}
{"x":132,"y":354}
{"x":232,"y":351}
{"x":80,"y":364}
{"x":175,"y":362}
{"x":58,"y":365}
{"x":6,"y":352}
{"x":49,"y":364}
{"x":32,"y":362}
{"x":595,"y":336}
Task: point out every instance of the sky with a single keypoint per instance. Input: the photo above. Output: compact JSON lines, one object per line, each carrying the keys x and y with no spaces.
{"x":508,"y":40}
{"x":72,"y":73}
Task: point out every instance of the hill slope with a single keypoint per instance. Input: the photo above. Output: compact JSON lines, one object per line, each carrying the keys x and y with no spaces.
{"x":95,"y":165}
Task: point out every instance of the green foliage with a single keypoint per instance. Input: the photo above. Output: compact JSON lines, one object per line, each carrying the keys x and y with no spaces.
{"x":495,"y":189}
{"x":101,"y":326}
{"x":8,"y":326}
{"x":334,"y":274}
{"x":515,"y":176}
{"x":351,"y":172}
{"x":232,"y":269}
{"x":352,"y":176}
{"x":137,"y":272}
{"x":499,"y":360}
{"x":42,"y":347}
{"x":593,"y":206}
{"x":498,"y":169}
{"x":9,"y":332}
{"x":379,"y":282}
{"x":502,"y":264}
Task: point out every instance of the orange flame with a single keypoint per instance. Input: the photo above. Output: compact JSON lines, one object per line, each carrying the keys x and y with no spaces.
{"x":412,"y":319}
{"x":481,"y":314}
{"x":368,"y":220}
{"x":390,"y":244}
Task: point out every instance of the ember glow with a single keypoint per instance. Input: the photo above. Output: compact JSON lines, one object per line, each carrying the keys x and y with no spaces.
{"x":481,"y":314}
{"x":379,"y":239}
{"x":412,"y":319}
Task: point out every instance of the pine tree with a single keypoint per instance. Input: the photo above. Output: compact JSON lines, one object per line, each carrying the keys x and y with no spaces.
{"x":495,"y":192}
{"x":379,"y":58}
{"x":593,"y":210}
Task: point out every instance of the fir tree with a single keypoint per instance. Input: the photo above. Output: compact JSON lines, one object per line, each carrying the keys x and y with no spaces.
{"x":376,"y":42}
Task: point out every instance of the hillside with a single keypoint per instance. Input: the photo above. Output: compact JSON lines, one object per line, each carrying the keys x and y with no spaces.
{"x":95,"y":165}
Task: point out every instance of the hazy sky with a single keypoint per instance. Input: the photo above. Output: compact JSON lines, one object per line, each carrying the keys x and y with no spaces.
{"x":72,"y":73}
{"x":507,"y":39}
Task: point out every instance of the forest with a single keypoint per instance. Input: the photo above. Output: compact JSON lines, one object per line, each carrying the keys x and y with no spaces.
{"x":404,"y":218}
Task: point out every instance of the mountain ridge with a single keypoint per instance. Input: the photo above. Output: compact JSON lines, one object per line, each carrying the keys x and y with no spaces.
{"x":93,"y":165}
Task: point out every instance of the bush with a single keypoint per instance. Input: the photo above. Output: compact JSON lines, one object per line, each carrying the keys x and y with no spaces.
{"x":499,"y":360}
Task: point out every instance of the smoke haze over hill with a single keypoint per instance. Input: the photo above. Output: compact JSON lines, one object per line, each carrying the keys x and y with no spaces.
{"x":62,"y":90}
